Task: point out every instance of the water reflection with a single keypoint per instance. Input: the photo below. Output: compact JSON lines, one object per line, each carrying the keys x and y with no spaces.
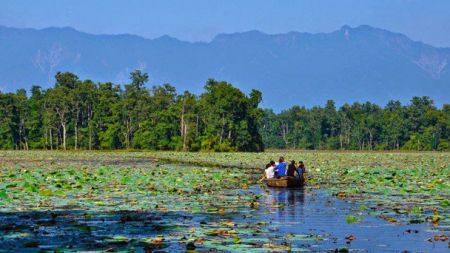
{"x":322,"y":219}
{"x":296,"y":196}
{"x":290,"y":203}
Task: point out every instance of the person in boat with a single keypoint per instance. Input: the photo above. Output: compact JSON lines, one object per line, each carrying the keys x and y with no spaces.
{"x":280,"y":170}
{"x":301,"y":170}
{"x":291,"y":169}
{"x":270,"y":170}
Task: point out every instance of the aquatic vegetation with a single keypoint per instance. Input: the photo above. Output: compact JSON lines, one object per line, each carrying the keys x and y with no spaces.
{"x":111,"y":207}
{"x":352,"y":219}
{"x":56,"y":187}
{"x":192,"y":201}
{"x":410,"y":184}
{"x":406,"y":185}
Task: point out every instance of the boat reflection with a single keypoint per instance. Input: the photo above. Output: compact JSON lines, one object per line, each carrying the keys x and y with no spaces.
{"x":289,"y":203}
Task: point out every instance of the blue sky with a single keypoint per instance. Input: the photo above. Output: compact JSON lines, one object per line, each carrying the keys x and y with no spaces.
{"x":201,"y":20}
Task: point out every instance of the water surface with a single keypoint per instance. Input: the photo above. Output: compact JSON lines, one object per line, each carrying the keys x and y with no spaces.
{"x":316,"y":213}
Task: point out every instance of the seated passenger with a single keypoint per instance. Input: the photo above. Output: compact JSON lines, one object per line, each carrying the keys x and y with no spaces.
{"x":281,"y":168}
{"x":270,"y":170}
{"x":301,"y":170}
{"x":291,"y":169}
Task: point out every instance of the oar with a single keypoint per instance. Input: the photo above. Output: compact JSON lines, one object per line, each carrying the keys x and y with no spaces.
{"x":263,"y":178}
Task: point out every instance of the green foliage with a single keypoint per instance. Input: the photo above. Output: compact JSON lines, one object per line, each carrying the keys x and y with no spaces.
{"x":165,"y":185}
{"x":443,"y":145}
{"x":418,"y":126}
{"x":230,"y":118}
{"x":81,"y":114}
{"x":352,"y":219}
{"x":77,"y":114}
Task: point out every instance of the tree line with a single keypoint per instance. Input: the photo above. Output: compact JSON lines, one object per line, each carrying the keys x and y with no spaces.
{"x":360,"y":126}
{"x":81,"y":114}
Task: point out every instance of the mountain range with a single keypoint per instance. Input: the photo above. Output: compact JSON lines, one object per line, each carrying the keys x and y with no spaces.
{"x":352,"y":64}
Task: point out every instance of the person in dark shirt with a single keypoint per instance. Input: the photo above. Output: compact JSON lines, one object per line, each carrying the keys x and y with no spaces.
{"x":291,"y":169}
{"x":301,"y":170}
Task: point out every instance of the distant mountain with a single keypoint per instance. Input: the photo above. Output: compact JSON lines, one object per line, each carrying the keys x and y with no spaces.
{"x":348,"y":65}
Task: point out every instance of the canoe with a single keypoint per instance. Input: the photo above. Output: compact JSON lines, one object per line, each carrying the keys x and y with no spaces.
{"x":284,"y":182}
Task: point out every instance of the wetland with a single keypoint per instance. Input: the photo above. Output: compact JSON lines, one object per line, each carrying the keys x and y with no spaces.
{"x":176,"y":202}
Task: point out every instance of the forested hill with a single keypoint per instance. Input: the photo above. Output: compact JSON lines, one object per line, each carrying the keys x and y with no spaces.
{"x":348,"y":65}
{"x":81,"y":114}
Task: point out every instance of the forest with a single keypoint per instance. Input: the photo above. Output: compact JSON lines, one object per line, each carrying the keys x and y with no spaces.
{"x":81,"y":114}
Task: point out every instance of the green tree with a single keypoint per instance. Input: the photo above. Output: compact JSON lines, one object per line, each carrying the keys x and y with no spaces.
{"x":22,"y":115}
{"x":393,"y":126}
{"x":7,"y":133}
{"x":81,"y":114}
{"x":107,"y":116}
{"x":36,"y":131}
{"x":229,"y":117}
{"x":135,"y":100}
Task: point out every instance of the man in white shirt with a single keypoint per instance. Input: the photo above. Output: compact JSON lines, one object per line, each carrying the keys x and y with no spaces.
{"x":270,"y":171}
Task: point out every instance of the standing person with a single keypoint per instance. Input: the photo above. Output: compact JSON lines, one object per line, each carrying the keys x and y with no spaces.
{"x":270,"y":170}
{"x":291,"y":169}
{"x":301,"y":170}
{"x":281,"y":167}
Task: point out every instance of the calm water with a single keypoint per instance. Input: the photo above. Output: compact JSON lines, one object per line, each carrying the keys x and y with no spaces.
{"x":309,"y":220}
{"x":316,"y":213}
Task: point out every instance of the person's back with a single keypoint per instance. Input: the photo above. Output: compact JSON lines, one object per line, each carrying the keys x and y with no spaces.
{"x":270,"y":170}
{"x":291,"y":169}
{"x":281,"y":168}
{"x":301,"y":171}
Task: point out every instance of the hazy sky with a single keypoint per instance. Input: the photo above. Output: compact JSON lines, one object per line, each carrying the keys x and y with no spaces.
{"x":195,"y":20}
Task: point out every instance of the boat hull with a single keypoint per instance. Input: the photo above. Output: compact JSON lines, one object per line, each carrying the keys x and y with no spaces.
{"x":284,"y":182}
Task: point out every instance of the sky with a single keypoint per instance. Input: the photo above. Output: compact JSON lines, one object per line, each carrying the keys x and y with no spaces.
{"x":201,"y":20}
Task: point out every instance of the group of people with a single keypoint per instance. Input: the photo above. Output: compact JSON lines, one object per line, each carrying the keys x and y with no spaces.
{"x":282,"y":169}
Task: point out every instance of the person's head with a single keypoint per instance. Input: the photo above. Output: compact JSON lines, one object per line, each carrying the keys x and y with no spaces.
{"x":301,"y":164}
{"x":292,"y":162}
{"x":267,"y":165}
{"x":272,"y":163}
{"x":281,"y":159}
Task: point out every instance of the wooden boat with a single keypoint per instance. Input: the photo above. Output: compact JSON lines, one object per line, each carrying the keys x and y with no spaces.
{"x":284,"y":182}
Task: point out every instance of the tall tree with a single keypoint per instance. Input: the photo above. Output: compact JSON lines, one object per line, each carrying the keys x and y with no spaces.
{"x":81,"y":114}
{"x":22,"y":116}
{"x":36,"y":132}
{"x":133,"y":103}
{"x":8,"y":133}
